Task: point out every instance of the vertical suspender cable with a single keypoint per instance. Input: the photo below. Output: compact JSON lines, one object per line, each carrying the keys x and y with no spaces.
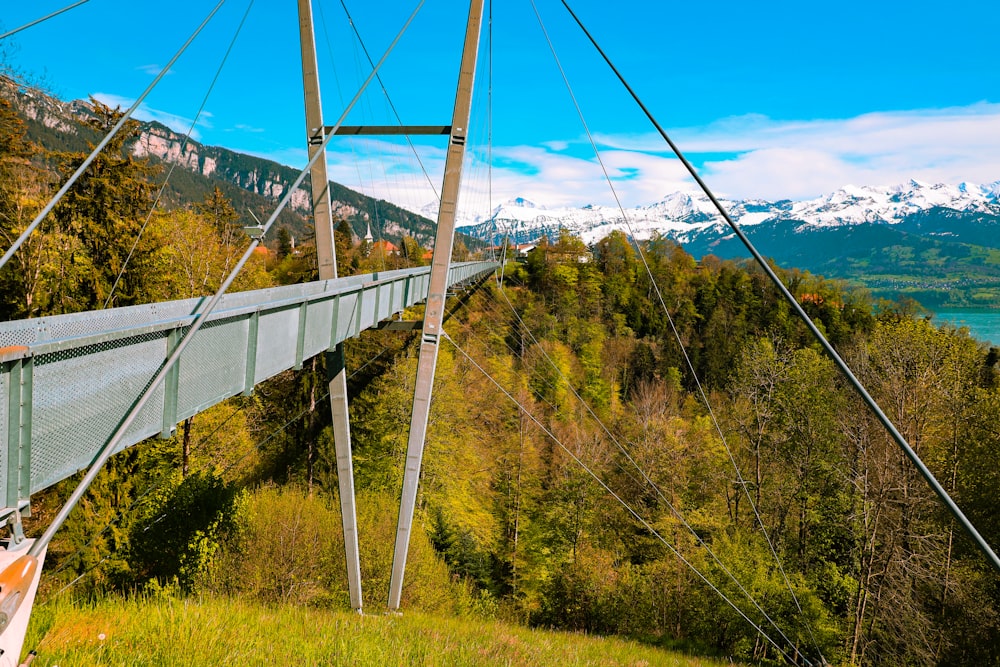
{"x":392,"y":106}
{"x":187,"y":139}
{"x":670,"y":320}
{"x":946,"y":499}
{"x":90,"y":158}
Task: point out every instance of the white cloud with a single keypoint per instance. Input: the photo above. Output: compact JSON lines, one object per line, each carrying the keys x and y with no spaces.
{"x":243,"y":127}
{"x":742,"y":157}
{"x":152,"y":69}
{"x":795,"y":159}
{"x":389,"y":171}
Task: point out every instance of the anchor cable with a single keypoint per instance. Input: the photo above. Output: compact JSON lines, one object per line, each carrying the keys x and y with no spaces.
{"x":655,"y":285}
{"x":932,"y":481}
{"x":646,"y":478}
{"x":614,"y":495}
{"x":44,"y":18}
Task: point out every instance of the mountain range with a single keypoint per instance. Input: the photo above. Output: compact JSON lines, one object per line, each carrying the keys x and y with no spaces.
{"x":686,"y":215}
{"x":251,"y":183}
{"x":937,"y":243}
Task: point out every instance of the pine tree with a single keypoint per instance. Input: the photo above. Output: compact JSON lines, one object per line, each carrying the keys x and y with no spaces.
{"x":343,"y":240}
{"x":284,"y":243}
{"x":102,"y":217}
{"x":23,"y":186}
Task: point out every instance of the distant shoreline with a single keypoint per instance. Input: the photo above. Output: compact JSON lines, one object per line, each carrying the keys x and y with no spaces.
{"x":983,"y":322}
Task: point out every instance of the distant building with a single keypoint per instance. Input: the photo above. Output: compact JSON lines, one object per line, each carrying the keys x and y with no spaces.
{"x":524,"y":248}
{"x":387,"y":247}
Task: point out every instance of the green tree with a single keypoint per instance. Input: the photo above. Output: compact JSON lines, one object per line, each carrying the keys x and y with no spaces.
{"x":926,"y":379}
{"x":169,"y":542}
{"x":105,"y":210}
{"x":284,"y":243}
{"x":23,"y":186}
{"x":219,"y":212}
{"x":201,"y":254}
{"x":343,"y":239}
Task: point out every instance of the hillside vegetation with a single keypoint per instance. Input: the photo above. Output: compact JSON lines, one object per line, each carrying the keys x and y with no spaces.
{"x":252,"y":184}
{"x":566,"y":383}
{"x":167,"y":632}
{"x":938,"y":257}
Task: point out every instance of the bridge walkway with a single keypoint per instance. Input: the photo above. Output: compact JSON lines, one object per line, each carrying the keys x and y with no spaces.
{"x":66,"y":381}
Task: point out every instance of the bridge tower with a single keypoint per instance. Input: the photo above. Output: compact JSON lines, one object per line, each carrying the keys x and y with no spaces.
{"x":434,"y":311}
{"x":327,"y":259}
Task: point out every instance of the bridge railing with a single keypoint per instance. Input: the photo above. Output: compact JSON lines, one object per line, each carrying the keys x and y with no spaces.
{"x":66,"y":381}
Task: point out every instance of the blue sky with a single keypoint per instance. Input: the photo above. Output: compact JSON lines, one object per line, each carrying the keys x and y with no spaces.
{"x":771,"y":100}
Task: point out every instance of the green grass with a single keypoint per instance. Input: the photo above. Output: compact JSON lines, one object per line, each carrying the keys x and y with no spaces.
{"x":164,"y":632}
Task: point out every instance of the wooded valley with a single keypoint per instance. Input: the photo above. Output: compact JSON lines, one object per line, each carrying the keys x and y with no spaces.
{"x":565,"y":394}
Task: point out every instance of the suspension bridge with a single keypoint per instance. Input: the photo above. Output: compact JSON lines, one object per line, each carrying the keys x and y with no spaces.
{"x":162,"y":363}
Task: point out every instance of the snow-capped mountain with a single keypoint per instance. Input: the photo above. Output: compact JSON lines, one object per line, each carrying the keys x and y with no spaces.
{"x":935,"y":243}
{"x":684,"y":216}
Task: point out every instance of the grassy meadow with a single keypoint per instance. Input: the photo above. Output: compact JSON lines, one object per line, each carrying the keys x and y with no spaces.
{"x":166,"y":631}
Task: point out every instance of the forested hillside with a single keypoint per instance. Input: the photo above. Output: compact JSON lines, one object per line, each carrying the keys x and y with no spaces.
{"x":252,"y":184}
{"x":590,"y":458}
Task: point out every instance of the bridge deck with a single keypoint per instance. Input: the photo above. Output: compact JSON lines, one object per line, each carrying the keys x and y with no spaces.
{"x":66,"y":381}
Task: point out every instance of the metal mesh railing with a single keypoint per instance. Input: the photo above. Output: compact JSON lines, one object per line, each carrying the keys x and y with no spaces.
{"x":66,"y":381}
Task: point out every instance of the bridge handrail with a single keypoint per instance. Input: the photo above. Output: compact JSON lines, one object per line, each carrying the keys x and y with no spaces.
{"x":67,"y":380}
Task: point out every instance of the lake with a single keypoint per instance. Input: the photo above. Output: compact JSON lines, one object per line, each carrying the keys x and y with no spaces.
{"x":983,"y":323}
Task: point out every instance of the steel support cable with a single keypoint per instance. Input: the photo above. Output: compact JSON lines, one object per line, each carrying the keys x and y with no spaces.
{"x":42,"y":19}
{"x":472,"y":199}
{"x":614,"y":495}
{"x":93,"y":154}
{"x":350,"y":142}
{"x":340,"y":95}
{"x":481,"y":206}
{"x":535,"y":374}
{"x":42,"y":542}
{"x":232,"y":464}
{"x":645,"y":477}
{"x":489,"y":148}
{"x":489,"y":123}
{"x":76,"y":580}
{"x":484,"y":118}
{"x":643,"y":474}
{"x":173,"y":165}
{"x":388,"y":99}
{"x":372,"y":146}
{"x":946,"y":499}
{"x":153,"y":486}
{"x":476,"y":174}
{"x":367,"y":151}
{"x":666,"y":311}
